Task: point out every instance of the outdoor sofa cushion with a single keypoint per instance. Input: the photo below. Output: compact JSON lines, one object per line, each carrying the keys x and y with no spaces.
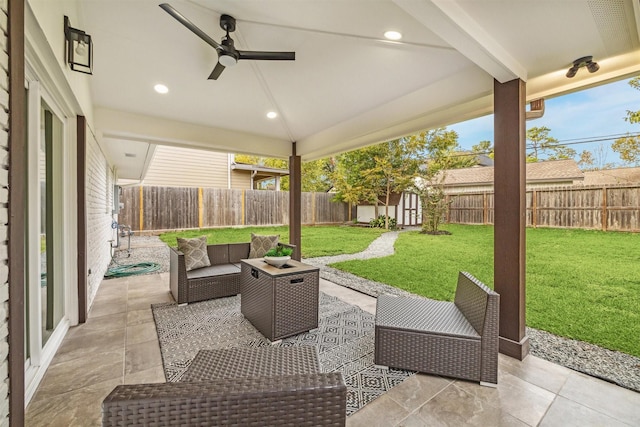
{"x":213,"y":270}
{"x":195,"y":252}
{"x":260,"y":245}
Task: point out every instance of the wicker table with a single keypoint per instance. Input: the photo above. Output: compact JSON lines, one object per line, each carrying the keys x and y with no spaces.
{"x":279,"y":302}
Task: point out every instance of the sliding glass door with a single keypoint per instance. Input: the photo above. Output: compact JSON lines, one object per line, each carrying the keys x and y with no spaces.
{"x":45,"y":293}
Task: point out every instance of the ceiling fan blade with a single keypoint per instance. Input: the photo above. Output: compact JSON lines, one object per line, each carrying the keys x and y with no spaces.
{"x":190,"y":25}
{"x":216,"y":72}
{"x":270,"y":56}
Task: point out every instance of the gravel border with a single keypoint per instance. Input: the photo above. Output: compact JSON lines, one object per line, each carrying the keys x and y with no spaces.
{"x":612,"y":366}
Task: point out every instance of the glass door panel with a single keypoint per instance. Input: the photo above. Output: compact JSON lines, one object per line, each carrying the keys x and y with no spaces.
{"x":52,"y":292}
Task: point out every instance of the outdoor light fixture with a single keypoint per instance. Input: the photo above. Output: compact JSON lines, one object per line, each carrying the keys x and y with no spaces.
{"x":79,"y":48}
{"x":585,"y":61}
{"x":393,"y":35}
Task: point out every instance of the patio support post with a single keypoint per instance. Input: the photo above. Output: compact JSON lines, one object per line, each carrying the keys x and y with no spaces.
{"x":295,"y":202}
{"x":81,"y":130}
{"x":17,"y":208}
{"x":510,"y":214}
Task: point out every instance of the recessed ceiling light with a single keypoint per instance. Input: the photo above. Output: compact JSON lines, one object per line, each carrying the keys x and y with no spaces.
{"x":393,"y":35}
{"x":272,"y":114}
{"x":160,"y":88}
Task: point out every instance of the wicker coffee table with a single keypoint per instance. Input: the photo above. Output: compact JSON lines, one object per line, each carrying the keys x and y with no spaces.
{"x":279,"y":302}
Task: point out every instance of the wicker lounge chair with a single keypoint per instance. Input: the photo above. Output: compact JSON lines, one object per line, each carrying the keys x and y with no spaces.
{"x":455,"y":339}
{"x":266,"y":386}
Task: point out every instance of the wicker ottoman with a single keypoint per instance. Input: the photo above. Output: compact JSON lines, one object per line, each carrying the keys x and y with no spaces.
{"x":261,"y":387}
{"x":252,"y":362}
{"x":454,"y":339}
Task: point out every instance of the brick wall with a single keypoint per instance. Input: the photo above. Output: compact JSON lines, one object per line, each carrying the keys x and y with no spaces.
{"x":4,"y":217}
{"x":99,"y":193}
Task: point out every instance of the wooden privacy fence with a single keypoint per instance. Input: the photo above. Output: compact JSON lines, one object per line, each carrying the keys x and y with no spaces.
{"x":615,"y":207}
{"x":175,"y":208}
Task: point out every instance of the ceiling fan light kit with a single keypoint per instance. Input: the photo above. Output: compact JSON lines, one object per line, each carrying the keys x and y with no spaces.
{"x":228,"y":55}
{"x":585,"y":61}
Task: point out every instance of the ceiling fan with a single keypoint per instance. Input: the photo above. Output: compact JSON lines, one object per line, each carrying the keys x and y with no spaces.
{"x":228,"y":55}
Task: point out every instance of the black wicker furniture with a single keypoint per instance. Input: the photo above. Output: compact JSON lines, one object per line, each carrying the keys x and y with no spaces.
{"x":280,"y":302}
{"x":455,"y":339}
{"x":266,"y":386}
{"x":221,"y":279}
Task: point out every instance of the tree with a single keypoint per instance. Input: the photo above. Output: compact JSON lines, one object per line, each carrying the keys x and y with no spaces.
{"x":596,"y":160}
{"x":347,"y":178}
{"x":628,"y":147}
{"x":541,"y":144}
{"x":317,"y":175}
{"x":484,"y":147}
{"x":439,"y":148}
{"x":377,"y":171}
{"x":395,"y":167}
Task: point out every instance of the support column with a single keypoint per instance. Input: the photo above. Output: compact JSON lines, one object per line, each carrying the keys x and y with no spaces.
{"x":295,"y":202}
{"x":17,"y":207}
{"x":81,"y":244}
{"x":510,"y":214}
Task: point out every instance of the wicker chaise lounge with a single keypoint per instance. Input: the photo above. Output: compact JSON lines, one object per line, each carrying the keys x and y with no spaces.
{"x":455,"y":339}
{"x":266,"y":386}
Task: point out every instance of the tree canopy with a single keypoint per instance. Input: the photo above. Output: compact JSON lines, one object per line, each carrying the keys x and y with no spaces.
{"x":628,"y":147}
{"x":542,"y":146}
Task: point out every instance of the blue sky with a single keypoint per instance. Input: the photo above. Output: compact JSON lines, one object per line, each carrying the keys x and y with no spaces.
{"x":591,"y":113}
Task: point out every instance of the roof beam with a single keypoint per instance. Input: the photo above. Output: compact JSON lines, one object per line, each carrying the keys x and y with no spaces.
{"x":162,"y":131}
{"x":448,"y":20}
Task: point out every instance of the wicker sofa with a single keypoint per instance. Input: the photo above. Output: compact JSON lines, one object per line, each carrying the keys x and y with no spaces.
{"x":266,"y":386}
{"x":221,"y":279}
{"x":455,"y":339}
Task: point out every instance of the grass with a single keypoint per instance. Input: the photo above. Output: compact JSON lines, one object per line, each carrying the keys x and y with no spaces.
{"x":581,"y":284}
{"x":316,"y":241}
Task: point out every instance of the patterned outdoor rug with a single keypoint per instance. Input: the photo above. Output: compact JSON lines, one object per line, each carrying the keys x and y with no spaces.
{"x":344,"y":340}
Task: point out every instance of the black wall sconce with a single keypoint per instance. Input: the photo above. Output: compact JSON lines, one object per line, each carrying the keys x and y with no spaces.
{"x":585,"y":61}
{"x":79,"y":48}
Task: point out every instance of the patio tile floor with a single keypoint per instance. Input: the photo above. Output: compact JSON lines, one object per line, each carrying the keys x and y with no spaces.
{"x":118,"y":344}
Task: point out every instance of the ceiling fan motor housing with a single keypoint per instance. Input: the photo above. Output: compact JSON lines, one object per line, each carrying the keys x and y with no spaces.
{"x":228,"y":23}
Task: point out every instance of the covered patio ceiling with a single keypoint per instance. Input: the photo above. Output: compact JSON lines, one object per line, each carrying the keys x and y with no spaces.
{"x":348,"y":86}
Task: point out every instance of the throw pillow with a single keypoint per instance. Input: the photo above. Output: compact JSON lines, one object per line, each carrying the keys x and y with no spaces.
{"x":195,"y":252}
{"x":260,"y":245}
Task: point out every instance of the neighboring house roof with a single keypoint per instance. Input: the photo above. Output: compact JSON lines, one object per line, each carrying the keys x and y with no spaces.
{"x":539,"y":172}
{"x":263,"y":170}
{"x":484,"y":160}
{"x":612,"y":176}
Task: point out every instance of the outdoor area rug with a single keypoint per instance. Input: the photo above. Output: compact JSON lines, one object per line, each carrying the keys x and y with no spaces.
{"x":344,"y":339}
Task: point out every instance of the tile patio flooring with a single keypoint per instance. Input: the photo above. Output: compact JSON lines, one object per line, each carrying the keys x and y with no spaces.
{"x":118,"y":344}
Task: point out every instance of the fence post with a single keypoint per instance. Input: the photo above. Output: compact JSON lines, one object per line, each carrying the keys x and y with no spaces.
{"x":313,"y":208}
{"x":200,"y":207}
{"x":534,"y":208}
{"x":604,"y":208}
{"x":485,"y":214}
{"x":448,"y":205}
{"x":242,"y":204}
{"x":141,"y":208}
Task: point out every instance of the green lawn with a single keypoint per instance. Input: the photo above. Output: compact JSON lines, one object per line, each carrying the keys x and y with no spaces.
{"x":580,"y":284}
{"x":316,"y":241}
